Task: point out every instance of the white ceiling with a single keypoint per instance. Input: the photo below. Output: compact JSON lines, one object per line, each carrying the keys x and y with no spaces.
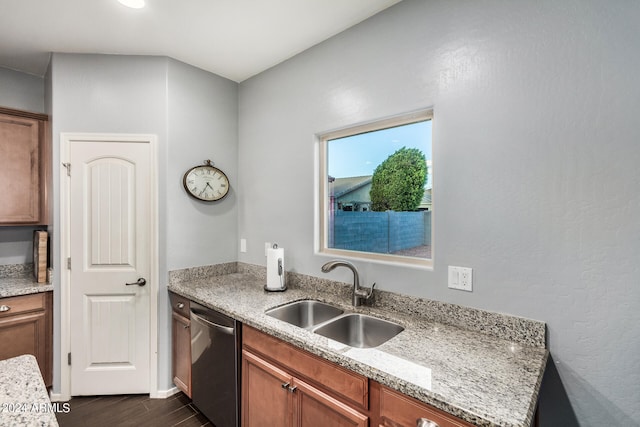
{"x":232,"y":38}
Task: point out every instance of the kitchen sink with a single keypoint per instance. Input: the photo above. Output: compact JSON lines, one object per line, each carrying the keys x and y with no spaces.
{"x":305,"y":313}
{"x":359,"y":330}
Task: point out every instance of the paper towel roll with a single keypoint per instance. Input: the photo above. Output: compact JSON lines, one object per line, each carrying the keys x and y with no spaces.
{"x":275,"y":275}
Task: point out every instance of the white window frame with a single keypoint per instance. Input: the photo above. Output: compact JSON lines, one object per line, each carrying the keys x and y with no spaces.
{"x":322,"y":192}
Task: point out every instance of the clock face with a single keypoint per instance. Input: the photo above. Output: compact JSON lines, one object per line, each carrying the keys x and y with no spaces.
{"x":206,"y":183}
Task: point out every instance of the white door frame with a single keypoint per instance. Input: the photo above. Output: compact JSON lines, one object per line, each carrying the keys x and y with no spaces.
{"x":65,"y":294}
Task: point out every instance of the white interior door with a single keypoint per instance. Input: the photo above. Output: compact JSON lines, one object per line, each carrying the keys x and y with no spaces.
{"x":109,"y":246}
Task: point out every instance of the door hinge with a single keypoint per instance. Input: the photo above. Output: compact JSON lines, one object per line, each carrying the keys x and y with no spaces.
{"x":69,"y":263}
{"x":69,"y":359}
{"x":68,"y":166}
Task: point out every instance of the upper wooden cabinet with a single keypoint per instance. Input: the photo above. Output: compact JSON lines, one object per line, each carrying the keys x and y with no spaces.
{"x":24,"y":167}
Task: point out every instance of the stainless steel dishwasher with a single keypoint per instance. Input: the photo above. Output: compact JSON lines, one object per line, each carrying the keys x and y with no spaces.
{"x":215,"y":365}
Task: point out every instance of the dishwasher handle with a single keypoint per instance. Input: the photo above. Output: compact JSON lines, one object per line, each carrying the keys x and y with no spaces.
{"x":224,"y":329}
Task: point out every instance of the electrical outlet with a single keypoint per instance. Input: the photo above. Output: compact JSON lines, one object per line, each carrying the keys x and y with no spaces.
{"x":461,"y":278}
{"x":243,"y":245}
{"x":466,"y":279}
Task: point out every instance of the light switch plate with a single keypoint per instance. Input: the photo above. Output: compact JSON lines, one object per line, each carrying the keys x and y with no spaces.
{"x":243,"y":245}
{"x":461,"y":278}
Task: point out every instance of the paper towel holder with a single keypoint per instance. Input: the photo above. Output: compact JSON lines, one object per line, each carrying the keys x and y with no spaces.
{"x":281,"y":273}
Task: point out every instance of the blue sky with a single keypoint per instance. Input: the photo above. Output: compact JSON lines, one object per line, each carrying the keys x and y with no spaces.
{"x":359,"y":155}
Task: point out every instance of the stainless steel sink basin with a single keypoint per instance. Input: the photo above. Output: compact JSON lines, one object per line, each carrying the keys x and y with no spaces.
{"x":359,"y":330}
{"x":305,"y":314}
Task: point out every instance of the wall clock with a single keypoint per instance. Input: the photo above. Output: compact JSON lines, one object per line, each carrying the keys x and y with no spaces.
{"x":206,"y":182}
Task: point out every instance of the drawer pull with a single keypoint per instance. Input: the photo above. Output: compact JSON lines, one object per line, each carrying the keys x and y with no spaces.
{"x":285,"y":386}
{"x":293,"y":389}
{"x":425,"y":422}
{"x":180,"y":305}
{"x":4,"y":308}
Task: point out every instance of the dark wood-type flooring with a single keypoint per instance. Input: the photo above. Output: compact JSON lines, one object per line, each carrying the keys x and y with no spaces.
{"x":132,"y":410}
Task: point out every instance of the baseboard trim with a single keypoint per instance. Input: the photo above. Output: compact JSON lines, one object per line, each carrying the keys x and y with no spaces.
{"x":58,"y":397}
{"x":160,"y":394}
{"x":163,"y":394}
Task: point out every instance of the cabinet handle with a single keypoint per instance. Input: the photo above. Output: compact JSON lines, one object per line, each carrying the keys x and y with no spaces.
{"x":229,"y":330}
{"x":4,"y":308}
{"x":425,"y":422}
{"x":180,"y":305}
{"x":292,"y":389}
{"x":285,"y":386}
{"x":186,"y":326}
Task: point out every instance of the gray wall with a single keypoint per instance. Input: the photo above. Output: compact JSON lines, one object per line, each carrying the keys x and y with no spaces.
{"x":194,"y":116}
{"x":535,"y":160}
{"x":202,"y":124}
{"x":21,"y":91}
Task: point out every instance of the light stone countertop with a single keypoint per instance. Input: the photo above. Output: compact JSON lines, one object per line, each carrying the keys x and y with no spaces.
{"x":479,"y":378}
{"x":14,"y":286}
{"x":23,"y":396}
{"x":17,"y":279}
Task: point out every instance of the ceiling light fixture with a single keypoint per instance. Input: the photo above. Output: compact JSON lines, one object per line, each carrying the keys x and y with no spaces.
{"x":134,"y":4}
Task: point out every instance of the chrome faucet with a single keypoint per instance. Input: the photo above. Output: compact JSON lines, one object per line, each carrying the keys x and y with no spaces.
{"x":359,"y":294}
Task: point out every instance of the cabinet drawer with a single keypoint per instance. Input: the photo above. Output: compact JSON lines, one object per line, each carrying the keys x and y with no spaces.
{"x":341,"y":382}
{"x":396,"y":409}
{"x":179,"y":304}
{"x":21,"y":304}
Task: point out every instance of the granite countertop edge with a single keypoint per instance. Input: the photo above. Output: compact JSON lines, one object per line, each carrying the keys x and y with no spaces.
{"x":203,"y":291}
{"x":17,"y":286}
{"x":24,"y":400}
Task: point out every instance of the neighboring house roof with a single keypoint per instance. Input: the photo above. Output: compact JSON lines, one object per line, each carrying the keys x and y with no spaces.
{"x":426,"y":199}
{"x":341,"y":186}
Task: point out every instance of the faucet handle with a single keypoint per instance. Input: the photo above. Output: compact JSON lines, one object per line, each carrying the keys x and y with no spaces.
{"x":366,"y":294}
{"x":370,"y":294}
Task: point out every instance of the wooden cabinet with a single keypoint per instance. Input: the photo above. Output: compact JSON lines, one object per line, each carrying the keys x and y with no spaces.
{"x":286,"y":386}
{"x":315,"y":408}
{"x":397,"y":409}
{"x":26,"y":327}
{"x":24,"y":167}
{"x":266,"y":400}
{"x":181,"y":343}
{"x":283,"y":385}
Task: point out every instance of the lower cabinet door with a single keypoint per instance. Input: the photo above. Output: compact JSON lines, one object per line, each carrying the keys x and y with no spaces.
{"x":313,"y":408}
{"x":182,"y":353}
{"x":26,"y":334}
{"x":266,"y":397}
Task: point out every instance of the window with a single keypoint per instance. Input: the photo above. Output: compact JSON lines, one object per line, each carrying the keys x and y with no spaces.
{"x":375,"y":190}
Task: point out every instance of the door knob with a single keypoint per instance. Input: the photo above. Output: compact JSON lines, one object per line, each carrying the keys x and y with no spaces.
{"x":140,"y":282}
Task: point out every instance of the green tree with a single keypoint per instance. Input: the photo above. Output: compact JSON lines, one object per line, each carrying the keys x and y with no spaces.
{"x":398,"y":182}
